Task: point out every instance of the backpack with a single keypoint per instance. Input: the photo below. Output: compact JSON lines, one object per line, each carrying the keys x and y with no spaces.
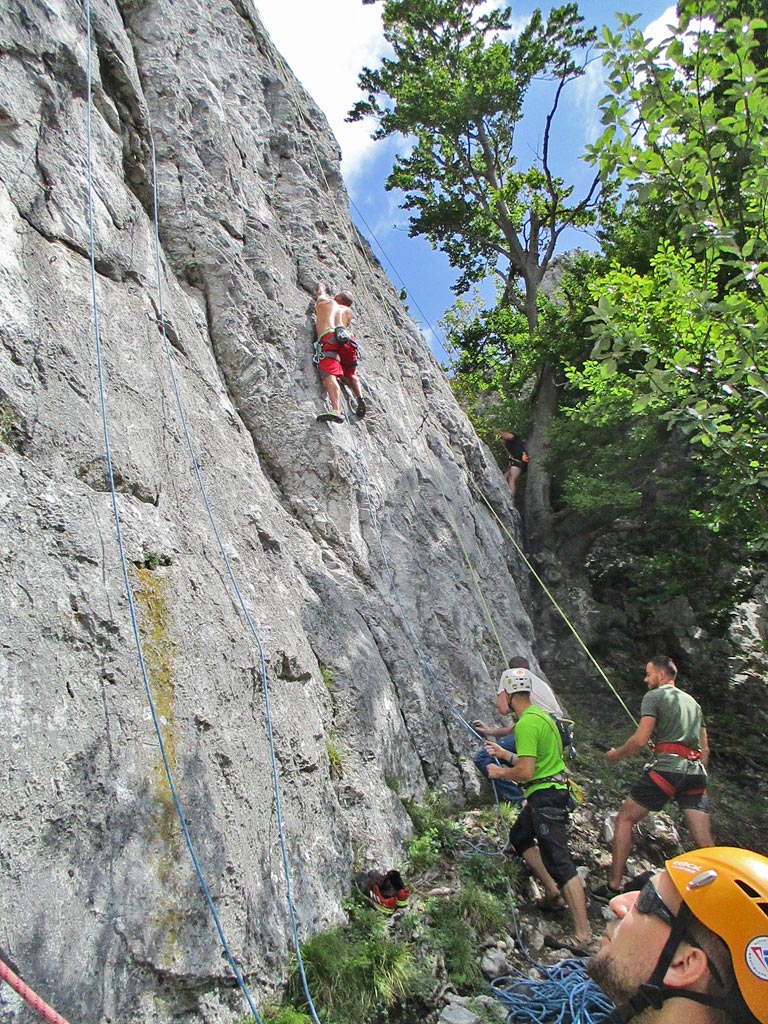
{"x":565,"y":729}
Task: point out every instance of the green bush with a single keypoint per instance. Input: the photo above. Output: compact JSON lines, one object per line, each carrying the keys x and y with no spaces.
{"x":423,"y":852}
{"x":437,"y":833}
{"x":335,"y":758}
{"x":450,"y":932}
{"x":279,"y":1015}
{"x":496,"y":875}
{"x":485,"y":912}
{"x":354,"y":973}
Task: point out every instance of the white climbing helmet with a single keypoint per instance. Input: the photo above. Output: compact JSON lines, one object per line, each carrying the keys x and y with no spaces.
{"x":516,"y":680}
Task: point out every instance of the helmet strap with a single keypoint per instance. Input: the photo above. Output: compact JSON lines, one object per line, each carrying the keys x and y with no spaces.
{"x":654,"y":993}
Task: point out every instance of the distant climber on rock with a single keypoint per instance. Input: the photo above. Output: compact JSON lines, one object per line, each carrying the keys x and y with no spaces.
{"x":518,"y":457}
{"x":337,"y":352}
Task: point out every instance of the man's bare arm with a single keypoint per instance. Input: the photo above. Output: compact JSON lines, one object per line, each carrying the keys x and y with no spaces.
{"x":634,"y":744}
{"x":704,"y":744}
{"x":523,"y":770}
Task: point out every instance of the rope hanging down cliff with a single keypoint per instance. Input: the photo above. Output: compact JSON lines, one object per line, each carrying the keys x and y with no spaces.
{"x":118,"y":527}
{"x":126,"y":580}
{"x":241,"y":602}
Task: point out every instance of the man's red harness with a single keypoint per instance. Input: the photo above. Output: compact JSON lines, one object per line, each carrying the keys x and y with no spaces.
{"x":678,"y":748}
{"x":682,"y":751}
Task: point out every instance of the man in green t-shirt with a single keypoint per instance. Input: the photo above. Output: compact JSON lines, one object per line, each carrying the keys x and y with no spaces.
{"x":673,"y":721}
{"x":539,"y":835}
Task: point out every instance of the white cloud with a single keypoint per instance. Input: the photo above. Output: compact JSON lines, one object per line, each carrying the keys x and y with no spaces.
{"x":326,"y":45}
{"x":389,"y":216}
{"x":587,"y":93}
{"x":662,"y":28}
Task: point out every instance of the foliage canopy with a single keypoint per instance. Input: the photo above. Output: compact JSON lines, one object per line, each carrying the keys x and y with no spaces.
{"x":686,"y":128}
{"x":456,"y":88}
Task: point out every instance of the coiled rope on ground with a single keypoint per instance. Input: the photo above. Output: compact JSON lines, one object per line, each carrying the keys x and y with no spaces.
{"x":565,"y":995}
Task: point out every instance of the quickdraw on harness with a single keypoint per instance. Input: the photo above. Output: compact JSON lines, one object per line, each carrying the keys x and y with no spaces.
{"x":341,"y":336}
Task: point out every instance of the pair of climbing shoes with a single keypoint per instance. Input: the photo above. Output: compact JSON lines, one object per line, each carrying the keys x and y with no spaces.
{"x":387,"y":892}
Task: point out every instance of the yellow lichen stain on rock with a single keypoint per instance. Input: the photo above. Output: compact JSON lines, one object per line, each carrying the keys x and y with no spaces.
{"x":152,"y":595}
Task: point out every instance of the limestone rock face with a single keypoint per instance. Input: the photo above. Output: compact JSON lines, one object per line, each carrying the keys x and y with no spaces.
{"x":259,"y":547}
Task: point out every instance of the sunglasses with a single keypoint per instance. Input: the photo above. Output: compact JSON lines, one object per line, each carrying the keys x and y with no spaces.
{"x":649,"y":902}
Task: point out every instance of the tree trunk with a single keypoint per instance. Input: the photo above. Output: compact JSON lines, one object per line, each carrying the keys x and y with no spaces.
{"x":537,"y":504}
{"x":537,"y":508}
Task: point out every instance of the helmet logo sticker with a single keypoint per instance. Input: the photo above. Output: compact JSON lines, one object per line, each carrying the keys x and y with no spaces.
{"x":687,"y":866}
{"x":757,"y":957}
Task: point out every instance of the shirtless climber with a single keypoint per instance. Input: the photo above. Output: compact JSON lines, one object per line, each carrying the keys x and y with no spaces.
{"x":338,"y":350}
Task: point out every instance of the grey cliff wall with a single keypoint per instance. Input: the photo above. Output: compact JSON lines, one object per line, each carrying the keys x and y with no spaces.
{"x":100,"y":909}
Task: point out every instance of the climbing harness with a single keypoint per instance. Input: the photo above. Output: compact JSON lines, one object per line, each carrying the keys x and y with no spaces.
{"x":341,"y":336}
{"x":678,"y":748}
{"x":30,"y":997}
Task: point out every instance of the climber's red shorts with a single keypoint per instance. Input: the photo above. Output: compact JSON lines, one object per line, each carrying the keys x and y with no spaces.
{"x":343,"y":366}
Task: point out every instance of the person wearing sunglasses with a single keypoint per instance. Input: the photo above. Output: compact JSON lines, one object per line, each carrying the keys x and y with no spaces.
{"x":692,"y":945}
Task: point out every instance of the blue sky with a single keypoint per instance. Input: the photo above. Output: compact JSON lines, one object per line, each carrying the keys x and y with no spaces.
{"x":327,"y":42}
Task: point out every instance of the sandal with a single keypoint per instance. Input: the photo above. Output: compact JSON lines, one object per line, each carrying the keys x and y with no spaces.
{"x":551,"y":904}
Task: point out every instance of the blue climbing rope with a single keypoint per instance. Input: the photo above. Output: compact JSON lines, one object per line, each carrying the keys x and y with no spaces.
{"x":561,"y":994}
{"x":239,"y":596}
{"x":419,"y":650}
{"x":118,"y":529}
{"x":565,"y":995}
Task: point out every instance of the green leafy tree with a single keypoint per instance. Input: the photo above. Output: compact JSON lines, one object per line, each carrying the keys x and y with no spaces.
{"x":456,"y":88}
{"x":686,"y":130}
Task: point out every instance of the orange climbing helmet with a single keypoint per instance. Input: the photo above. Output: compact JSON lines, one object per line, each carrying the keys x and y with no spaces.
{"x":726,"y":888}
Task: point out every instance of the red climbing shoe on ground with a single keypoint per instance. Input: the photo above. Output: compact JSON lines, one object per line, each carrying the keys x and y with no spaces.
{"x":402,"y":892}
{"x":373,"y":886}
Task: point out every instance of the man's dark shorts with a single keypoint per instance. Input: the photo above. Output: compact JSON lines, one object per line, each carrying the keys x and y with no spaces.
{"x":544,"y":819}
{"x":654,"y":788}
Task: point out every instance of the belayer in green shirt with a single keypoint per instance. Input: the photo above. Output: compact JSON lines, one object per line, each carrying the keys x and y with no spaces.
{"x":540,"y":834}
